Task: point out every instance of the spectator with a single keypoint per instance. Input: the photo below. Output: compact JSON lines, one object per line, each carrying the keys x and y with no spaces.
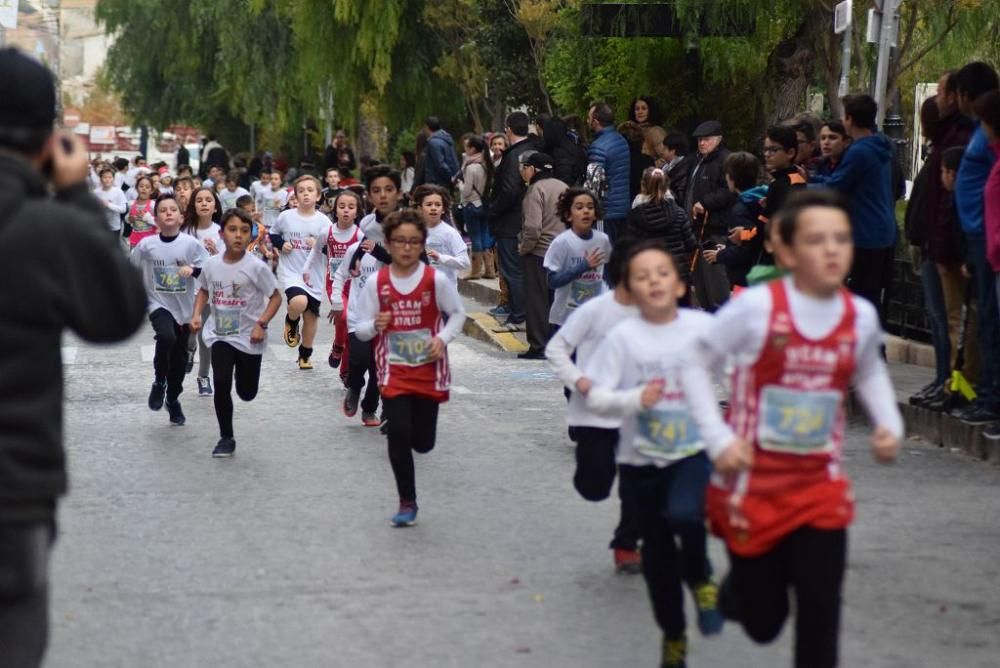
{"x":833,"y":141}
{"x":407,"y":171}
{"x":440,"y":166}
{"x":213,"y":155}
{"x":807,"y":154}
{"x":339,"y":152}
{"x":865,"y":178}
{"x":505,"y":212}
{"x":79,"y":280}
{"x":477,"y":178}
{"x":973,"y":81}
{"x":608,"y":169}
{"x":706,"y":200}
{"x":745,"y":245}
{"x":645,"y":112}
{"x":183,"y":155}
{"x":662,"y":218}
{"x":498,"y":144}
{"x":540,"y":225}
{"x":569,"y":159}
{"x":781,"y":146}
{"x":676,"y":162}
{"x":638,"y":161}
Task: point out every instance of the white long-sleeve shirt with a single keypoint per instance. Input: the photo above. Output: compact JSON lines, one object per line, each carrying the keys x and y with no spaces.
{"x":114,"y":205}
{"x":453,"y":254}
{"x":367,"y":267}
{"x":446,"y":296}
{"x":584,"y":331}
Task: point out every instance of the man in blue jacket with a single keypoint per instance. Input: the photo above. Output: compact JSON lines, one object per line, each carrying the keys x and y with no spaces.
{"x":440,"y":165}
{"x":864,"y":176}
{"x":608,"y":169}
{"x":973,"y":80}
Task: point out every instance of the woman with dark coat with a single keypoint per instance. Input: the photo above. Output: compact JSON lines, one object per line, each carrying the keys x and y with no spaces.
{"x":570,"y":159}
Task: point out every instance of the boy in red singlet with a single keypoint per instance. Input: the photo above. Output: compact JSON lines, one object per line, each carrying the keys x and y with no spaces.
{"x":412,"y":311}
{"x":780,"y":498}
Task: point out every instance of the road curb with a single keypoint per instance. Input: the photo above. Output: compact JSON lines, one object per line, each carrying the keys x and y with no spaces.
{"x":485,"y":290}
{"x":481,"y":325}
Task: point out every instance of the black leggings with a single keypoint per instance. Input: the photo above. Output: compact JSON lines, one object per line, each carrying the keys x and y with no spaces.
{"x":595,"y":475}
{"x":809,"y":561}
{"x":362,"y":359}
{"x":24,"y":592}
{"x":671,"y":505}
{"x":228,"y":362}
{"x":412,"y":426}
{"x":170,"y":358}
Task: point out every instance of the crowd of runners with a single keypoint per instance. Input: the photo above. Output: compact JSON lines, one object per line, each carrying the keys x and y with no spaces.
{"x":706,"y":339}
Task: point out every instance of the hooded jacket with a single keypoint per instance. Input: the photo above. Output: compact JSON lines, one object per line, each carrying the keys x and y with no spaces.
{"x":67,"y":273}
{"x":440,"y":164}
{"x":569,"y":159}
{"x":864,"y":177}
{"x":540,"y":217}
{"x":610,"y":150}
{"x":668,"y":222}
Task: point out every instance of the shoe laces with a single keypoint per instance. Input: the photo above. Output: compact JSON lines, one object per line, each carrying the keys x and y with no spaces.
{"x":707,"y":596}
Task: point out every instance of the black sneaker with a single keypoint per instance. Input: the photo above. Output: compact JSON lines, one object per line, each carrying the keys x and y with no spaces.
{"x":936,"y":399}
{"x":226,"y":447}
{"x":979,"y":414}
{"x":992,"y":431}
{"x":156,"y":394}
{"x":531,"y":355}
{"x":351,"y":402}
{"x":176,"y":414}
{"x":925,"y":393}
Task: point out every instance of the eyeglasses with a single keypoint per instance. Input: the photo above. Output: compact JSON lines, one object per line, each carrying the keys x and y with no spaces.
{"x":408,"y":243}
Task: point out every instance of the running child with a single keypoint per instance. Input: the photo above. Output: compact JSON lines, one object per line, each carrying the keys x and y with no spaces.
{"x":183,"y":189}
{"x":141,"y":217}
{"x":232,"y":191}
{"x":260,"y":243}
{"x":167,"y":261}
{"x":331,"y":191}
{"x":575,"y":259}
{"x":201,"y":222}
{"x":243,"y":297}
{"x":780,"y":498}
{"x":339,"y":237}
{"x":569,"y":351}
{"x":113,"y":199}
{"x":446,"y":248}
{"x":413,"y":312}
{"x":271,"y":201}
{"x":294,"y":234}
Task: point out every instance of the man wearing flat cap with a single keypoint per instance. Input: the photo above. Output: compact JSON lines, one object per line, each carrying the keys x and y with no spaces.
{"x":64,"y":271}
{"x":706,"y":200}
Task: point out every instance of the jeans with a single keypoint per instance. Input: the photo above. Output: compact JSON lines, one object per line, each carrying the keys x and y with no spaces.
{"x":937,"y":318}
{"x":671,"y":505}
{"x":229,"y":363}
{"x":24,"y":593}
{"x":510,"y":268}
{"x":477,"y":227}
{"x":412,"y":427}
{"x":988,"y":312}
{"x":614,"y":228}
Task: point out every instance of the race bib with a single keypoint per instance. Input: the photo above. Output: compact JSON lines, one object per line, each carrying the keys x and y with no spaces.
{"x":166,"y":279}
{"x":410,"y":348}
{"x":797,"y":422}
{"x":582,"y":290}
{"x":227,"y":321}
{"x":667,"y":434}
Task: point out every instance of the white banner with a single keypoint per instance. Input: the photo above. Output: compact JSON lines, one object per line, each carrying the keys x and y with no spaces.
{"x":102,"y":134}
{"x":8,"y":13}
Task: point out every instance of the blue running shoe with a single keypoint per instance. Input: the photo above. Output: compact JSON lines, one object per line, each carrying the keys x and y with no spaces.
{"x":706,"y":599}
{"x":501,"y":311}
{"x":407,"y":515}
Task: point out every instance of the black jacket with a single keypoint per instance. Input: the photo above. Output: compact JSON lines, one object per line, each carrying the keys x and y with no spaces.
{"x":678,"y":176}
{"x":707,"y":184}
{"x":666,"y":221}
{"x":740,"y":259}
{"x":638,"y":162}
{"x":508,"y":191}
{"x":569,"y":158}
{"x":64,"y":272}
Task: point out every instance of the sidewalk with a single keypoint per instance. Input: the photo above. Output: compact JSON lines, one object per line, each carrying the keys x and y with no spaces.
{"x":910,"y":366}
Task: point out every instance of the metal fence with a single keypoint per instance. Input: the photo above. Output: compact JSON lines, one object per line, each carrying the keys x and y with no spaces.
{"x":905,"y":312}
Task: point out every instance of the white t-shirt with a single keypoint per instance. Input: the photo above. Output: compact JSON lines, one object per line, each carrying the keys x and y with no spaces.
{"x":114,"y":205}
{"x":372,"y":228}
{"x":159,"y":261}
{"x":446,"y":240}
{"x":584,"y":331}
{"x":229,"y":198}
{"x":296,"y":229}
{"x":445,"y":296}
{"x":238,"y":294}
{"x":213,"y":232}
{"x":319,"y":260}
{"x":634,"y":353}
{"x":270,"y":204}
{"x":368,"y":267}
{"x":568,"y":250}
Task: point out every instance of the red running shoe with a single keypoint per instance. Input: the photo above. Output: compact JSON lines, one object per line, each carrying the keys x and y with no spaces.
{"x":628,"y":561}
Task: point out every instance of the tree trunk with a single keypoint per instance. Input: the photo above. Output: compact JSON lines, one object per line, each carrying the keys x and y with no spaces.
{"x":790,"y":68}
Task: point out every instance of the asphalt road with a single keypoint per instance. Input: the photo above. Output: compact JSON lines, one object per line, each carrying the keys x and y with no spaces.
{"x":283,"y":556}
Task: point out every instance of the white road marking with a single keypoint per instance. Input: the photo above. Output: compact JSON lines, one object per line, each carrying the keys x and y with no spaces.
{"x":69,"y":354}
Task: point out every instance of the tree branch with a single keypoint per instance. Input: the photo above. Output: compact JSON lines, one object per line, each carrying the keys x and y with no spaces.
{"x":912,"y":25}
{"x":951,"y":23}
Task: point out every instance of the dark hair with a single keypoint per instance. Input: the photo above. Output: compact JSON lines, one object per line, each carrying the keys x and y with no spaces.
{"x":517,"y":121}
{"x":105,"y":170}
{"x":183,"y":179}
{"x":409,"y":158}
{"x":565,"y":204}
{"x":541,"y":118}
{"x":743,"y":168}
{"x":163,"y":198}
{"x":806,"y":128}
{"x":655,"y":117}
{"x":428,"y":189}
{"x":120,"y":164}
{"x":191,"y":215}
{"x":930,"y":118}
{"x":835,"y":126}
{"x":975,"y":79}
{"x":235,"y":212}
{"x":331,"y":169}
{"x":802,"y":199}
{"x":479,"y":143}
{"x":603,"y":114}
{"x":136,"y":159}
{"x":784,"y":136}
{"x":951,"y":81}
{"x":142,"y":178}
{"x":951,"y":158}
{"x":420,"y":143}
{"x":613,"y":269}
{"x":214,"y":166}
{"x":382,"y":172}
{"x":25,"y":140}
{"x":475,"y":141}
{"x":641,"y":247}
{"x":862,"y":109}
{"x":233,"y":176}
{"x":633,"y":133}
{"x":432,"y":123}
{"x":677,"y":141}
{"x":573,"y":123}
{"x":403,"y":217}
{"x":987,"y":108}
{"x":243,"y":200}
{"x":350,"y":193}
